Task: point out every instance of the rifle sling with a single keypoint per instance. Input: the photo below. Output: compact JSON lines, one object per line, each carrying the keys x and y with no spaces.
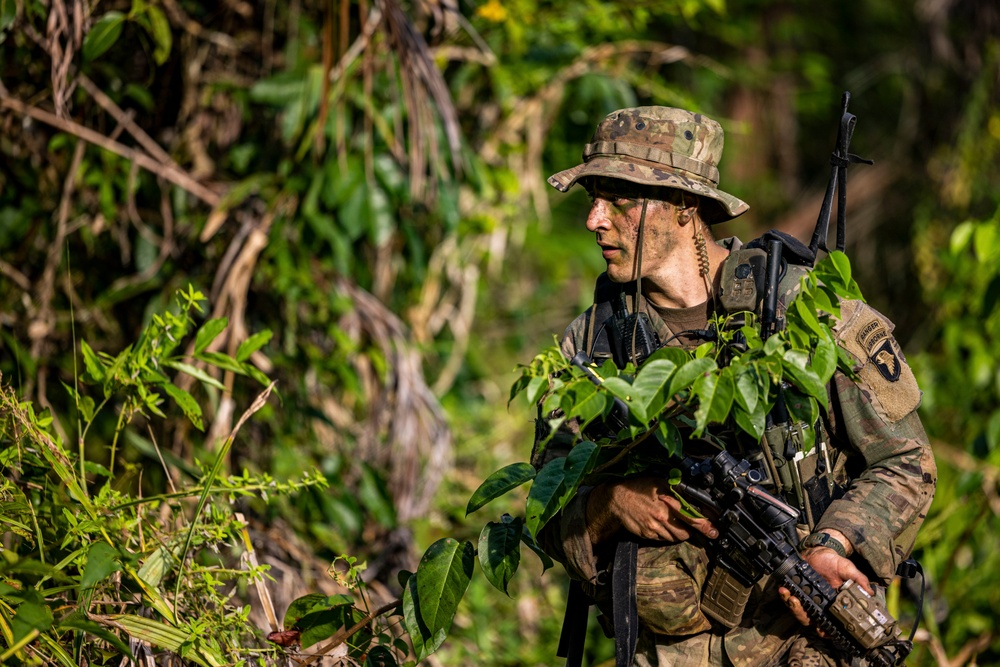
{"x":624,"y":610}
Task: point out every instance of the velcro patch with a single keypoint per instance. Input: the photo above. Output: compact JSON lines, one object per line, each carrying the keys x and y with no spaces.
{"x":875,"y":341}
{"x":867,"y":335}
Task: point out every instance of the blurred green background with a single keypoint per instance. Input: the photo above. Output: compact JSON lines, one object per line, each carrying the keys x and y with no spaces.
{"x":366,"y":179}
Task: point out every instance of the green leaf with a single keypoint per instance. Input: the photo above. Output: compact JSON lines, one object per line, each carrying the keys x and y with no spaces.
{"x":715,"y":398}
{"x":311,"y":604}
{"x":649,"y":386}
{"x":208,"y":332}
{"x":961,"y":236}
{"x":588,"y":402}
{"x":252,"y":344}
{"x":530,"y":542}
{"x":500,"y":551}
{"x":824,"y":360}
{"x":747,"y":388}
{"x":795,"y":366}
{"x":162,"y":37}
{"x":807,"y":315}
{"x":186,"y":403}
{"x":78,"y":621}
{"x":688,"y":373}
{"x":103,"y":35}
{"x":578,"y":463}
{"x":30,"y":616}
{"x":841,"y":264}
{"x":156,"y":566}
{"x":751,"y":422}
{"x":424,"y":641}
{"x":102,"y":560}
{"x":507,"y":478}
{"x":439,"y":583}
{"x":92,"y":363}
{"x":668,"y":435}
{"x":536,"y":387}
{"x":194,"y":372}
{"x":543,"y":497}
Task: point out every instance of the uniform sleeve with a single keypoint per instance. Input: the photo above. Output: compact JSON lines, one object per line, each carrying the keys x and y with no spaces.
{"x":887,"y":500}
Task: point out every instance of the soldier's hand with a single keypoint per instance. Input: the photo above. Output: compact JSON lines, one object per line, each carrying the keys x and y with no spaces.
{"x":644,"y":507}
{"x":831,"y":566}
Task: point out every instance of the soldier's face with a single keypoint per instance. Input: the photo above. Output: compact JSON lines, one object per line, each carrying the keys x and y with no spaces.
{"x":615,"y":213}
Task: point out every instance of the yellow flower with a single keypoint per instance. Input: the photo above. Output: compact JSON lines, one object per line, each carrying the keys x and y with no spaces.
{"x":492,"y":11}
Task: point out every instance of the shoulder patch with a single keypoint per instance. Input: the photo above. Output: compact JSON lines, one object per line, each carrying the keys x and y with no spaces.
{"x":867,"y":335}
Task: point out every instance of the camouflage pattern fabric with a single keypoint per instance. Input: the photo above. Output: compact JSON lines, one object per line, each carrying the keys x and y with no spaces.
{"x":881,"y":457}
{"x":658,"y":146}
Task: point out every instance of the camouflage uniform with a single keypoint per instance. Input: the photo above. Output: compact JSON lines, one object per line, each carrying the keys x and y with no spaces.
{"x":881,"y":455}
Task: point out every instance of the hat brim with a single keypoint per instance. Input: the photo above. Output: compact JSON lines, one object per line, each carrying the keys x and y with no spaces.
{"x":728,"y":206}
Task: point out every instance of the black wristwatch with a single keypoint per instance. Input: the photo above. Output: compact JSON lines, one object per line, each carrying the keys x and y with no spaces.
{"x":824,"y":540}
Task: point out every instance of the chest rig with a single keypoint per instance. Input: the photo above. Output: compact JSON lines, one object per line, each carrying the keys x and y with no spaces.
{"x":802,"y":478}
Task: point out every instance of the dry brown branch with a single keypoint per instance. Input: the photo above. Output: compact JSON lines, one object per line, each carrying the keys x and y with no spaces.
{"x":180,"y":18}
{"x":344,"y":634}
{"x":407,"y":434}
{"x":173,"y":174}
{"x":125,"y":120}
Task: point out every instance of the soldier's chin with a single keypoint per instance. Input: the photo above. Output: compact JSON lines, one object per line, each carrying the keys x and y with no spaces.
{"x":618,"y":274}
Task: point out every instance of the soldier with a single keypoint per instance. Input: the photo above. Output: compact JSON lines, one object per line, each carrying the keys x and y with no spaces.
{"x":652,"y":175}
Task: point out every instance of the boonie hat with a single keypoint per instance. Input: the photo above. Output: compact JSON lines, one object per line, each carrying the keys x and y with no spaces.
{"x":658,"y":146}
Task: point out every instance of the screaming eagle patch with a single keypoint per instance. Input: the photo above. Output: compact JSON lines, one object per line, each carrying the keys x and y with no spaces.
{"x":875,"y":341}
{"x":883,"y":375}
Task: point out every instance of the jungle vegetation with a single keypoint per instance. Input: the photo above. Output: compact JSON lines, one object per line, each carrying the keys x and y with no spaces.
{"x":267,"y":270}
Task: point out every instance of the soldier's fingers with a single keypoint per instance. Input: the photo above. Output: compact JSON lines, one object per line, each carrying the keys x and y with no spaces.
{"x":794,"y":606}
{"x":703,"y":526}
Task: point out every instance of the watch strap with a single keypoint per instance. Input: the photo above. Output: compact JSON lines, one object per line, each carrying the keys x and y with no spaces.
{"x":825,"y":540}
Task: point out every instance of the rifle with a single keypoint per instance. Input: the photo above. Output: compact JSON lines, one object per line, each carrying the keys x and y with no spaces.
{"x":752,"y":543}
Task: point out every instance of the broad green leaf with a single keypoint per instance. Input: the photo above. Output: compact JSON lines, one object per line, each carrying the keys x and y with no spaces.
{"x":807,"y":315}
{"x":795,"y":367}
{"x":678,"y":356}
{"x":102,"y":560}
{"x":186,"y":403}
{"x":715,"y":398}
{"x":252,"y":344}
{"x":544,"y":495}
{"x":441,"y":580}
{"x":619,"y":387}
{"x":578,"y":463}
{"x":311,"y":604}
{"x":507,"y":478}
{"x":424,"y":641}
{"x":824,"y":360}
{"x":668,"y":435}
{"x":827,"y":300}
{"x":747,"y":388}
{"x":528,"y":540}
{"x":92,"y":363}
{"x":103,"y":35}
{"x":588,"y":402}
{"x":208,"y":332}
{"x":649,"y":387}
{"x":323,"y":624}
{"x":78,"y":621}
{"x":165,"y":636}
{"x":500,"y":551}
{"x":841,"y":264}
{"x":30,"y":616}
{"x":751,"y":422}
{"x":194,"y":372}
{"x":688,"y":373}
{"x":536,"y":387}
